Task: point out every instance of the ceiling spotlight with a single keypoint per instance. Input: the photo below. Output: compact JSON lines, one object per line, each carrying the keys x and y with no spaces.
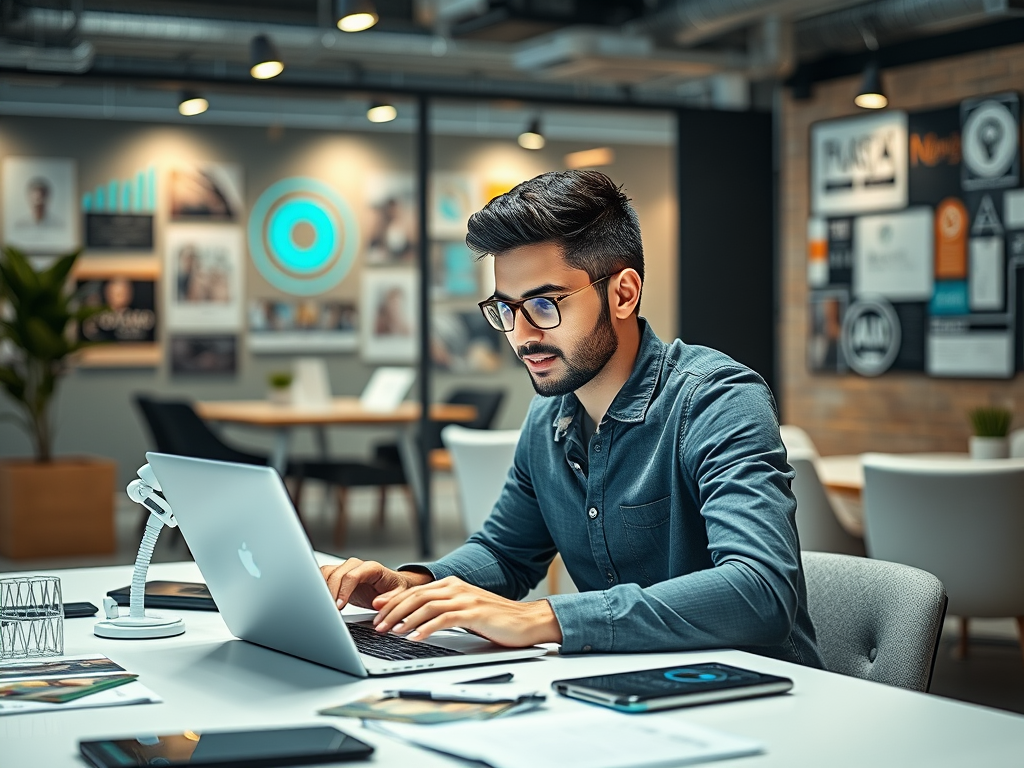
{"x":264,"y":58}
{"x":381,"y":112}
{"x":356,"y":15}
{"x":192,"y":103}
{"x":870,"y":95}
{"x":532,"y":138}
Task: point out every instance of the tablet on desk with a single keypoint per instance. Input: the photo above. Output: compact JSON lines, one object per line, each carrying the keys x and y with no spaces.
{"x":178,"y":595}
{"x":667,"y":687}
{"x":226,"y":749}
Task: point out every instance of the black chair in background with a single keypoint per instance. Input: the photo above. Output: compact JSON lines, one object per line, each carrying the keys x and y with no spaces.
{"x":487,"y":403}
{"x":177,"y":429}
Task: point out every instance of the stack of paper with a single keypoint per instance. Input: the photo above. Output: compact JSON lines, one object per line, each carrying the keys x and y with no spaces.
{"x":592,"y":738}
{"x":71,"y":682}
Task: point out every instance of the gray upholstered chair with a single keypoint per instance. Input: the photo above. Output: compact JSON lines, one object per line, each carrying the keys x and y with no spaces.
{"x":875,"y":620}
{"x":816,"y":519}
{"x":961,"y":519}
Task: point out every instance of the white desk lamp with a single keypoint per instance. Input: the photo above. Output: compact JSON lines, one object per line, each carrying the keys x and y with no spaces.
{"x":139,"y":625}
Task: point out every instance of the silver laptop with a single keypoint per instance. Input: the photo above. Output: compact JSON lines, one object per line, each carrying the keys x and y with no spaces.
{"x":240,"y":524}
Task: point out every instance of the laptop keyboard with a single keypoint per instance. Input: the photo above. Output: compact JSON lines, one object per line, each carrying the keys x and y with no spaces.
{"x":391,"y":647}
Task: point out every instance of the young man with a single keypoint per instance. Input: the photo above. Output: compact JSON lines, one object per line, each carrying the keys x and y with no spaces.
{"x":657,"y":471}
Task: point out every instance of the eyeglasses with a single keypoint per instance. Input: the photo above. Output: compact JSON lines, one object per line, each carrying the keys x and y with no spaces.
{"x":540,"y":311}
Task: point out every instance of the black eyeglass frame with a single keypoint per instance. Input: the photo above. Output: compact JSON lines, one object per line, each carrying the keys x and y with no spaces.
{"x":521,"y":306}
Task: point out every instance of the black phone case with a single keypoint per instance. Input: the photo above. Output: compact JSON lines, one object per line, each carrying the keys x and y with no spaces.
{"x":179,"y":595}
{"x":79,"y":610}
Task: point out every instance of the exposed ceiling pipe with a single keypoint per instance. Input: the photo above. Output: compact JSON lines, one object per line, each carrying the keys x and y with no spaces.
{"x":38,"y":58}
{"x":141,"y":32}
{"x":689,"y":22}
{"x":889,"y":21}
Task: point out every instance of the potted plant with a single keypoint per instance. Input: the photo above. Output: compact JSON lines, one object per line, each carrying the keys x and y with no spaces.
{"x":280,"y":391}
{"x":48,"y":506}
{"x":991,"y":426}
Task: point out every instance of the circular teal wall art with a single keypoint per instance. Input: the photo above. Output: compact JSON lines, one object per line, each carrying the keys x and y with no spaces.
{"x":303,"y":237}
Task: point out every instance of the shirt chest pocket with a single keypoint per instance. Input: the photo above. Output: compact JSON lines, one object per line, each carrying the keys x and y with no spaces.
{"x":646,"y":532}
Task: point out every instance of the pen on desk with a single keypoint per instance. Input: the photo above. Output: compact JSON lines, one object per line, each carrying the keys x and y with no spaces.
{"x":504,"y":677}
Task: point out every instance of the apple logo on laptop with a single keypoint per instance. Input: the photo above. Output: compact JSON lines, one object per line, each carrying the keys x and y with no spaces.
{"x":245,"y":555}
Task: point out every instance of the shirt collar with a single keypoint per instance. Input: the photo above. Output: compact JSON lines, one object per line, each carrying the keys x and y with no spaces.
{"x":633,"y":400}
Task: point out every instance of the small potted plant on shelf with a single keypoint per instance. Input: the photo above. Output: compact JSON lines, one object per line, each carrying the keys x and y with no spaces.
{"x":48,"y":506}
{"x":280,"y":387}
{"x":991,"y":426}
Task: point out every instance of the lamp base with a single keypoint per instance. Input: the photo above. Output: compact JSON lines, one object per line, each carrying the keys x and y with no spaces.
{"x":146,"y":628}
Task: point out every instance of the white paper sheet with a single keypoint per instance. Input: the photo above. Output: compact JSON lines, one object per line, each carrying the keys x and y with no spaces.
{"x":588,"y":737}
{"x":986,"y":275}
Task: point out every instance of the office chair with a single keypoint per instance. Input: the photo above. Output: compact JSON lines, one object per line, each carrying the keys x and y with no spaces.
{"x":962,"y":520}
{"x":816,"y":519}
{"x":176,"y":428}
{"x":481,"y":460}
{"x":487,"y":403}
{"x":875,"y":620}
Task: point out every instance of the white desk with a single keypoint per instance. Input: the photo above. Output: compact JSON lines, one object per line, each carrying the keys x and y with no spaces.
{"x":210,"y":680}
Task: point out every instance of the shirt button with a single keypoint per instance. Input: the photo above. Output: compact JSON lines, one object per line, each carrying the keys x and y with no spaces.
{"x":587,"y":648}
{"x":597,"y":447}
{"x":611,"y":577}
{"x":576,"y":466}
{"x":592,"y":513}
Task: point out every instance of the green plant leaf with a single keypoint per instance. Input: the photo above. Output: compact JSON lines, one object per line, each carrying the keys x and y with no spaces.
{"x":43,"y":342}
{"x":58,"y":273}
{"x":13,"y":382}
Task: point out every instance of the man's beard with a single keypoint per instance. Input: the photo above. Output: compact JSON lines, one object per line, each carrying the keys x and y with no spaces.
{"x":590,"y":358}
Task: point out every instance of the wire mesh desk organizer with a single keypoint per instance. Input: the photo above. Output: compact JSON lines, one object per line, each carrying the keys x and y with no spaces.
{"x":140,"y":624}
{"x":31,"y":617}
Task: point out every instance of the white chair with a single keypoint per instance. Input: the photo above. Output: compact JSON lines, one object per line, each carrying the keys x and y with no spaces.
{"x":962,"y":520}
{"x":1017,"y":444}
{"x":816,"y":519}
{"x":481,"y":459}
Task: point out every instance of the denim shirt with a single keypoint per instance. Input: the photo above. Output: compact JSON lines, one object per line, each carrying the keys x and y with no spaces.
{"x":676,"y":523}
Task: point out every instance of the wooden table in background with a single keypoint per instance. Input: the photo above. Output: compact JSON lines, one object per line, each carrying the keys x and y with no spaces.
{"x":343,"y":411}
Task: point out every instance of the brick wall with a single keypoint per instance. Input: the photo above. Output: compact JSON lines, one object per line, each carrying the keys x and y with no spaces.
{"x":897,"y":411}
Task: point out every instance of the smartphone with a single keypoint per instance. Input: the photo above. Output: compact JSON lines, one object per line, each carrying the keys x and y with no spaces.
{"x":78,"y":610}
{"x":668,"y":687}
{"x":259,"y":749}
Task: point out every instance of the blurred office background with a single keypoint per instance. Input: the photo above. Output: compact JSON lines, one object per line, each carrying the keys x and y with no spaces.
{"x":243,"y":178}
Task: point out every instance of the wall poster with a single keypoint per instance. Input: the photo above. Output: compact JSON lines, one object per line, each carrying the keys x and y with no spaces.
{"x":918,"y":218}
{"x":119,"y":212}
{"x":305,"y":326}
{"x":204,"y":286}
{"x":40,"y":197}
{"x":390,"y":316}
{"x":127,"y":333}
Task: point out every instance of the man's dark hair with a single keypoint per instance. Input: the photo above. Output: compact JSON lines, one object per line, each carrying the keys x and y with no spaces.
{"x":582,"y":212}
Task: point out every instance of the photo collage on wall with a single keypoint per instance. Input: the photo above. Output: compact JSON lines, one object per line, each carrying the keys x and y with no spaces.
{"x":166,"y":246}
{"x":916,"y":241}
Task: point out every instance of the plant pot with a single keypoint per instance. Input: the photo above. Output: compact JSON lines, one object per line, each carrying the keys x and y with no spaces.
{"x":280,"y":395}
{"x":989,"y":447}
{"x":65,"y":507}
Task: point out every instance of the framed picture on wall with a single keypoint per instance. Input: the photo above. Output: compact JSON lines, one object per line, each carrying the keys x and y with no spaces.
{"x":393,"y":234}
{"x":390,"y":316}
{"x":204,"y":355}
{"x":126,"y":334}
{"x":302,"y":326}
{"x":206,"y":192}
{"x":40,"y":204}
{"x":204,"y":277}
